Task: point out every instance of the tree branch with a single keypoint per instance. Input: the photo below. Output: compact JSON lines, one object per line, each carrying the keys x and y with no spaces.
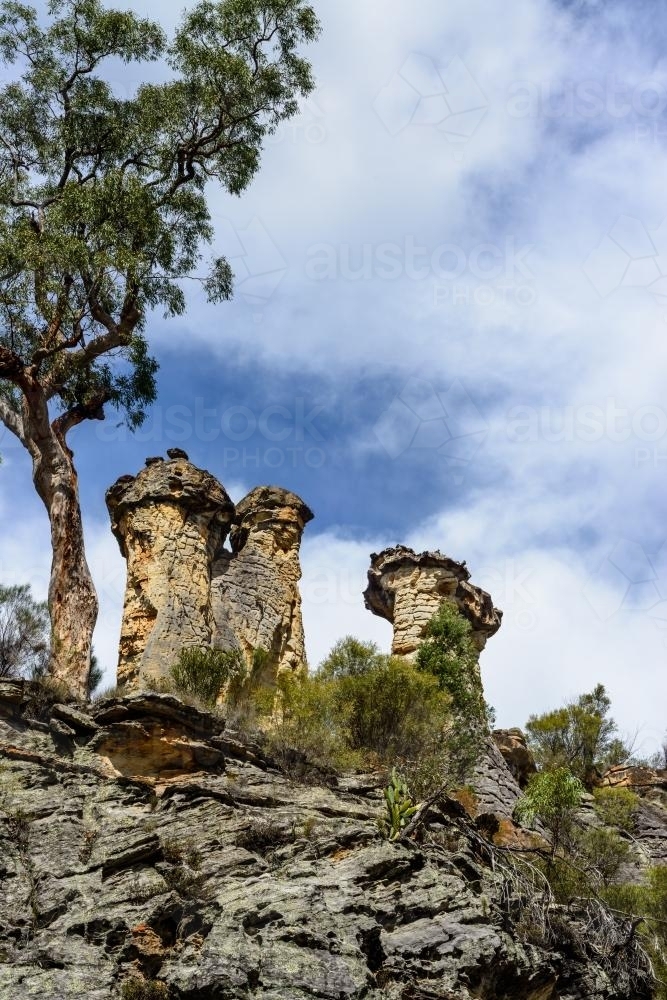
{"x":12,"y":420}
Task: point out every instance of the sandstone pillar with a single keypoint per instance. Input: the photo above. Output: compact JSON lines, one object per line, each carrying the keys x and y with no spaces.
{"x":170,"y":520}
{"x":407,"y":589}
{"x":255,"y":587}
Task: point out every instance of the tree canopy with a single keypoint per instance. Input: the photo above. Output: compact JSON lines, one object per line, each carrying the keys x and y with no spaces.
{"x":102,"y":197}
{"x":580,"y":736}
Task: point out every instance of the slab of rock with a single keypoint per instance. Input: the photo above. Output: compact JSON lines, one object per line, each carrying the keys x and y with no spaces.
{"x":244,"y":883}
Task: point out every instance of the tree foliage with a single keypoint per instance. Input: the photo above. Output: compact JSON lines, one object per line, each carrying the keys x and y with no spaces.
{"x":581,"y":736}
{"x":552,"y":797}
{"x":102,"y":197}
{"x":24,"y":631}
{"x":448,"y":653}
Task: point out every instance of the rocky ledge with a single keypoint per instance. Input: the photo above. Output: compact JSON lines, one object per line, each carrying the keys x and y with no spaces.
{"x":144,"y":844}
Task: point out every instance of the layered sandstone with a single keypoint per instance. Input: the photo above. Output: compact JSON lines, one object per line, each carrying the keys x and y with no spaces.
{"x":255,"y":587}
{"x":170,"y":521}
{"x":186,"y":587}
{"x":407,"y":588}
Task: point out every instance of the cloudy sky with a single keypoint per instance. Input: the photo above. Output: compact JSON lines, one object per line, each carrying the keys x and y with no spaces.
{"x":448,"y":331}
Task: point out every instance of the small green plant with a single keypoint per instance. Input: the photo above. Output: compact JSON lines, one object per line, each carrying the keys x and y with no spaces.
{"x":264,"y":836}
{"x":399,"y":807}
{"x":144,"y":989}
{"x":552,"y":797}
{"x":179,"y":850}
{"x":603,"y":853}
{"x":449,"y":654}
{"x":206,"y":673}
{"x":616,"y":807}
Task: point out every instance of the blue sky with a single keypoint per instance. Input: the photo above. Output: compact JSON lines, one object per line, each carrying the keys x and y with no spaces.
{"x":448,"y":330}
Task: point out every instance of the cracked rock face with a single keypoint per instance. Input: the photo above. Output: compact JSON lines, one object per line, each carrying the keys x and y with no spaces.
{"x":255,"y":587}
{"x":407,"y":589}
{"x":226,"y":878}
{"x":169,"y":521}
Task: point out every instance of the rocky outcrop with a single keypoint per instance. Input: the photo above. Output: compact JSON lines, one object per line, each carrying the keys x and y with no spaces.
{"x":170,"y":521}
{"x":255,"y":587}
{"x":518,"y":757}
{"x":186,"y":588}
{"x":650,"y":819}
{"x":407,"y":589}
{"x":225,"y":877}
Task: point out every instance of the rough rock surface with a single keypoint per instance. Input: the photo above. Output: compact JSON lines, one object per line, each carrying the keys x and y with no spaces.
{"x":222,"y":877}
{"x":519,"y":759}
{"x":170,"y":520}
{"x":651,"y":817}
{"x":255,"y":587}
{"x":407,"y":589}
{"x":185,"y":588}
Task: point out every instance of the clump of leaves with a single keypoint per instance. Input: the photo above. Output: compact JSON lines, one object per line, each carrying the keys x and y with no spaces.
{"x":400,"y":807}
{"x":580,"y":736}
{"x":144,"y":989}
{"x":264,"y":836}
{"x":616,"y":807}
{"x":205,"y":673}
{"x":24,"y":633}
{"x":552,"y":797}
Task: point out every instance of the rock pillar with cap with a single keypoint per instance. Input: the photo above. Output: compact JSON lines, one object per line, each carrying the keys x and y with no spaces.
{"x":169,"y":521}
{"x":255,"y":587}
{"x":407,"y":588}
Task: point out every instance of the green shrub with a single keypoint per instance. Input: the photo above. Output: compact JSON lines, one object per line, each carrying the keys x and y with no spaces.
{"x":616,"y":807}
{"x":205,"y":673}
{"x":449,"y":654}
{"x":552,"y":797}
{"x":387,"y":713}
{"x":580,"y":736}
{"x":603,"y":853}
{"x":349,"y":658}
{"x":648,"y":901}
{"x":144,"y":989}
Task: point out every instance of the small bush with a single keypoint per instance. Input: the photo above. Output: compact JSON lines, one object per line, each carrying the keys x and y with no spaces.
{"x":144,"y":989}
{"x":552,"y":797}
{"x":179,"y":850}
{"x":205,"y":673}
{"x":616,"y":807}
{"x":388,"y":713}
{"x":265,"y":836}
{"x":449,"y":654}
{"x":399,"y":807}
{"x":603,"y":853}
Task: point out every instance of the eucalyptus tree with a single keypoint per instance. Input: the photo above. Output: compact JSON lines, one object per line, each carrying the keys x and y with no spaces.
{"x":103,"y":214}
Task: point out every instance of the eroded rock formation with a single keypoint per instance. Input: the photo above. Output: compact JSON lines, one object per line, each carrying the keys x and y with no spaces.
{"x":255,"y":587}
{"x":144,"y":842}
{"x":407,"y":589}
{"x":170,"y":521}
{"x":185,"y":588}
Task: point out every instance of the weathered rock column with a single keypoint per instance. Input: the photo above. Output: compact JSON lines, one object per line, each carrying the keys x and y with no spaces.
{"x":170,"y":520}
{"x":255,"y":588}
{"x":407,"y":589}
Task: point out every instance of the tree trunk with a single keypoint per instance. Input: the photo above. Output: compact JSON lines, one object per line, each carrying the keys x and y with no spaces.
{"x":72,"y":599}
